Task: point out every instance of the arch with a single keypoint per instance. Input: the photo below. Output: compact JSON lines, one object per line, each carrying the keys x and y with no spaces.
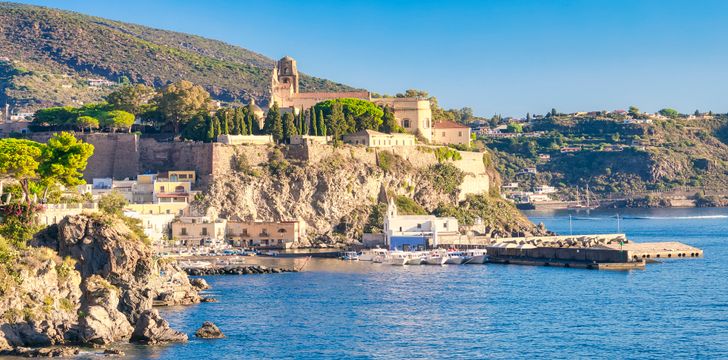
{"x":179,"y":189}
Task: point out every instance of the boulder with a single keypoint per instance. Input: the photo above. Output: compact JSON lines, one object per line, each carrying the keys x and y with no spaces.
{"x":152,"y":329}
{"x":199,"y":284}
{"x":208,"y":330}
{"x":103,"y":323}
{"x":66,"y":351}
{"x":113,"y":352}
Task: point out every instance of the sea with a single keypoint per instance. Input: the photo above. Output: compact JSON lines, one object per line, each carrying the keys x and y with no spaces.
{"x":335,"y":309}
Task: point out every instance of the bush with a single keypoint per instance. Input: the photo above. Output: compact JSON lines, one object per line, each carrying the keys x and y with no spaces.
{"x":407,"y":206}
{"x":443,"y":154}
{"x":445,"y":177}
{"x":113,"y":203}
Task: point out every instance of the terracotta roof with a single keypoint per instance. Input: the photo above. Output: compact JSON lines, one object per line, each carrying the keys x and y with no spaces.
{"x":449,"y":125}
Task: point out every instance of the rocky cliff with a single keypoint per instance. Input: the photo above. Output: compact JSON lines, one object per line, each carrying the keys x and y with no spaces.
{"x":89,"y":280}
{"x":338,"y":191}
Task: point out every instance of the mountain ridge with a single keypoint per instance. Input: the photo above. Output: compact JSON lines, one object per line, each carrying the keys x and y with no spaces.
{"x":58,"y":42}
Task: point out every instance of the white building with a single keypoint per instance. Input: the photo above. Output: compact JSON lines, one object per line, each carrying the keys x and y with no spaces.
{"x":416,"y":230}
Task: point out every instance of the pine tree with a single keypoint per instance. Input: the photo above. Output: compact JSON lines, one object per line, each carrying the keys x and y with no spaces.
{"x":321,"y":123}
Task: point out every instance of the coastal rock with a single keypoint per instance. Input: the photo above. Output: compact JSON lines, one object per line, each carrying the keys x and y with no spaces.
{"x":113,"y":352}
{"x":173,"y":287}
{"x":199,"y":284}
{"x":152,"y":329}
{"x":65,"y":351}
{"x":208,"y":330}
{"x":209,"y":300}
{"x":102,"y":322}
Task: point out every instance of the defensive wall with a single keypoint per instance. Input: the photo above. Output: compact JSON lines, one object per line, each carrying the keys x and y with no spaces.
{"x":124,"y":155}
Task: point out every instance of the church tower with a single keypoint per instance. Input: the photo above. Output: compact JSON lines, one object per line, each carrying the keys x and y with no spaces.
{"x":284,"y":82}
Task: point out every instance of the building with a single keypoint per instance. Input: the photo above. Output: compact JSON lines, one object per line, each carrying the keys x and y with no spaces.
{"x":545,"y":189}
{"x":450,"y":132}
{"x":570,"y":149}
{"x":265,"y":234}
{"x":178,"y":175}
{"x":413,"y":114}
{"x":171,"y":191}
{"x":371,"y":138}
{"x":416,"y":231}
{"x":309,"y":139}
{"x":198,"y":231}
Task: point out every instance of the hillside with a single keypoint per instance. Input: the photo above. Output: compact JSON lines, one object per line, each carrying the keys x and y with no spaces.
{"x":47,"y":56}
{"x":686,"y":155}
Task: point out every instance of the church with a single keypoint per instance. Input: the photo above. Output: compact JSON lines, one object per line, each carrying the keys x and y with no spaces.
{"x":413,"y":114}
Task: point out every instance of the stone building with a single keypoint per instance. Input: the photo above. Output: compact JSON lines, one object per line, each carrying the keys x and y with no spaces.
{"x":265,"y":234}
{"x":450,"y":132}
{"x":413,"y":114}
{"x":371,"y":138}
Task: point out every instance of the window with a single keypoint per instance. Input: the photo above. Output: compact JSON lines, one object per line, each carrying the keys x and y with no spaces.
{"x":419,"y":226}
{"x":245,"y":232}
{"x":179,"y":189}
{"x":161,"y":189}
{"x":443,"y":134}
{"x":406,"y":123}
{"x":400,"y":229}
{"x":204,"y":231}
{"x":183,"y":232}
{"x":281,"y":231}
{"x":460,"y":133}
{"x":169,"y":211}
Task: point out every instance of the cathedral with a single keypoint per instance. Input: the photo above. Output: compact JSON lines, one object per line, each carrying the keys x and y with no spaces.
{"x":413,"y":114}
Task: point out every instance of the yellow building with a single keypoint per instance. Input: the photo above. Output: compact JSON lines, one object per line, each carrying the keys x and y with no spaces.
{"x":172,"y":191}
{"x":178,"y":175}
{"x":371,"y":138}
{"x":177,"y":208}
{"x":449,"y":132}
{"x":278,"y":235}
{"x":199,"y":231}
{"x":413,"y":114}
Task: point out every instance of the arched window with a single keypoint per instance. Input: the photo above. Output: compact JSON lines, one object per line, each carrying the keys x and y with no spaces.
{"x":179,"y":189}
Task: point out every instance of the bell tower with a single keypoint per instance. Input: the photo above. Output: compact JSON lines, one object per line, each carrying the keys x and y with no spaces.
{"x":288,"y":73}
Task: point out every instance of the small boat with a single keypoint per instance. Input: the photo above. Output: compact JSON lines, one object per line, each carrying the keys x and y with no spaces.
{"x":455,"y":258}
{"x":475,"y":256}
{"x":436,"y":258}
{"x":398,"y":258}
{"x":372,"y":254}
{"x":350,"y":255}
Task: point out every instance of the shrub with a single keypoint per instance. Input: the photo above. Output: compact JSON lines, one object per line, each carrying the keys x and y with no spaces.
{"x":443,"y":154}
{"x":407,"y":206}
{"x":445,"y":177}
{"x":112,"y":203}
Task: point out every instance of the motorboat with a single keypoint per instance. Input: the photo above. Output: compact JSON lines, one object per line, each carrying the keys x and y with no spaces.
{"x":475,"y":256}
{"x":398,"y":258}
{"x":436,"y":258}
{"x":371,"y":255}
{"x":455,"y":258}
{"x":350,"y":255}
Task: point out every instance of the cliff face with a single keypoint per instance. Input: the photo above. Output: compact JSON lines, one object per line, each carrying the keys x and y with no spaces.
{"x":106,"y":283}
{"x":336,"y":190}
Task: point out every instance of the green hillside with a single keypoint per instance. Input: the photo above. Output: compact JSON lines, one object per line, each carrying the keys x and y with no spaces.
{"x":47,"y":56}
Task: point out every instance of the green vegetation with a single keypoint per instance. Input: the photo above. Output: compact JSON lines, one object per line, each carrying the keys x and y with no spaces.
{"x":391,"y":163}
{"x":113,"y":203}
{"x":345,"y":116}
{"x":89,"y":47}
{"x":444,"y":154}
{"x":407,"y":206}
{"x":492,"y":212}
{"x":444,"y":177}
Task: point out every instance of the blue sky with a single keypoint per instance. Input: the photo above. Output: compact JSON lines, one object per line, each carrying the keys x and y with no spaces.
{"x":508,"y":57}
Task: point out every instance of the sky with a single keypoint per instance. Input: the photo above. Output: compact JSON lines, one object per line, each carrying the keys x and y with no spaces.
{"x":504,"y":57}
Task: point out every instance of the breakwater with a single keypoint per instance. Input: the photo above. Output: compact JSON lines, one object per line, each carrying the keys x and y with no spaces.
{"x":236,"y":270}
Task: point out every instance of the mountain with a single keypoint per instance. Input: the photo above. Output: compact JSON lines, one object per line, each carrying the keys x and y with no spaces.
{"x":47,"y":57}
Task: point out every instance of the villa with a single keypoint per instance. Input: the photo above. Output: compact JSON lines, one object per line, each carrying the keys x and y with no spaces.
{"x":416,"y":231}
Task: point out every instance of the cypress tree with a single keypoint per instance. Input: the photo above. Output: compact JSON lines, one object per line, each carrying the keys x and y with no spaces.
{"x":306,"y":119}
{"x":216,"y":127}
{"x":289,"y":126}
{"x":273,"y":117}
{"x":322,"y":123}
{"x":277,"y":129}
{"x":240,"y":120}
{"x":314,"y":123}
{"x":210,"y":129}
{"x":225,"y":127}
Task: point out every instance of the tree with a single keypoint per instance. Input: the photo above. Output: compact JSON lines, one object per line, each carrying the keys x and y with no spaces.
{"x":179,"y":102}
{"x":671,"y":113}
{"x":273,"y":115}
{"x":314,"y":122}
{"x":357,"y":114}
{"x":196,"y":129}
{"x":553,"y":112}
{"x":87,"y":122}
{"x":634,"y":111}
{"x":528,"y":117}
{"x":55,"y":116}
{"x":335,"y":121}
{"x":113,"y":203}
{"x":306,"y":122}
{"x":514,"y":127}
{"x":321,"y":124}
{"x":289,"y":127}
{"x":277,"y":128}
{"x":696,"y":113}
{"x":252,"y":119}
{"x":119,"y":119}
{"x":19,"y":160}
{"x":63,"y":160}
{"x":240,"y":119}
{"x":389,"y":122}
{"x":210,"y":125}
{"x":131,"y":98}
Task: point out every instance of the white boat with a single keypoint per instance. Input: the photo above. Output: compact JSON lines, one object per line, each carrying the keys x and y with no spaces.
{"x":475,"y":256}
{"x":398,"y":258}
{"x":371,"y":255}
{"x":350,"y":255}
{"x":195,"y":264}
{"x":455,"y":258}
{"x":436,"y":258}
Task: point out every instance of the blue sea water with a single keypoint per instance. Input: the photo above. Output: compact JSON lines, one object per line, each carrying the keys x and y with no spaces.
{"x":336,"y":309}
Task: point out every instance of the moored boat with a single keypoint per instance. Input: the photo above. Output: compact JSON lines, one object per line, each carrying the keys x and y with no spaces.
{"x":350,"y":255}
{"x":373,"y":254}
{"x":475,"y":256}
{"x":436,"y":258}
{"x":455,"y":258}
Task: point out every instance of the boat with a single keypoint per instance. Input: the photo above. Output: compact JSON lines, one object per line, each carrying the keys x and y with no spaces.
{"x":455,"y":258}
{"x":371,"y":255}
{"x":398,"y":258}
{"x":475,"y":256}
{"x":350,"y":255}
{"x":194,"y":264}
{"x":436,"y":258}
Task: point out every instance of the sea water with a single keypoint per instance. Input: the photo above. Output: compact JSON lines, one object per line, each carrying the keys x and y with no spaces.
{"x":359,"y":310}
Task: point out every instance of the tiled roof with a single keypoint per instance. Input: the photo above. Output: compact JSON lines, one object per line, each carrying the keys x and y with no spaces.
{"x":449,"y":125}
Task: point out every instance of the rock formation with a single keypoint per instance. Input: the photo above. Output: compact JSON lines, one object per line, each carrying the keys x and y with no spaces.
{"x":152,"y":329}
{"x":208,"y":330}
{"x":101,"y":292}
